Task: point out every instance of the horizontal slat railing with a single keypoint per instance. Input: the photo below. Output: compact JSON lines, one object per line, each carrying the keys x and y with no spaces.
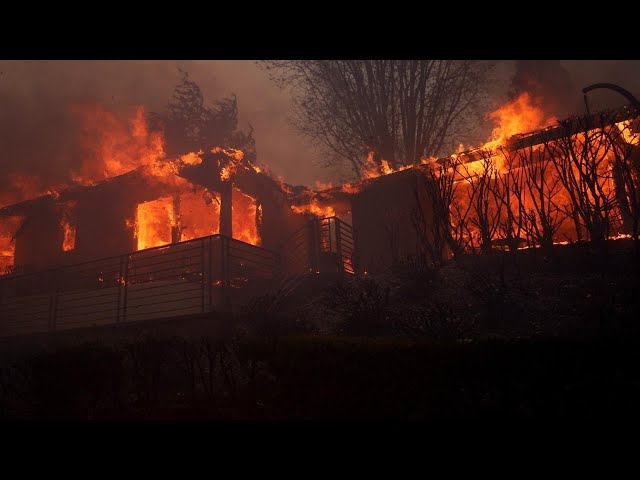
{"x":189,"y":277}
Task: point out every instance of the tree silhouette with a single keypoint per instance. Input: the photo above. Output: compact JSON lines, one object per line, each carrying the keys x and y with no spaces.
{"x":402,"y":110}
{"x":190,"y":125}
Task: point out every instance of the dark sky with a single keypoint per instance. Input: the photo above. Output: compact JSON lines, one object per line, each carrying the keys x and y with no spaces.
{"x":38,"y":134}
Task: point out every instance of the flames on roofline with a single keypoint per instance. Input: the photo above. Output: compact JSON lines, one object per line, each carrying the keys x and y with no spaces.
{"x":129,"y":148}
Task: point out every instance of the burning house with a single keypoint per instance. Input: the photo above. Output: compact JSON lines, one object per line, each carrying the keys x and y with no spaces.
{"x":207,"y":231}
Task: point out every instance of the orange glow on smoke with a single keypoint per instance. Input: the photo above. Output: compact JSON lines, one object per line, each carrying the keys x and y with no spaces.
{"x":114,"y":144}
{"x":323,"y":186}
{"x":244,"y":217}
{"x":22,"y":186}
{"x":154,"y":220}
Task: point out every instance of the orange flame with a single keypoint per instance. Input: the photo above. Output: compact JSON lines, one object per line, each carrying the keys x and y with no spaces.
{"x":523,"y":114}
{"x":113,"y":145}
{"x":68,"y":228}
{"x":231,"y":166}
{"x":8,"y":228}
{"x":351,"y":188}
{"x":630,"y":136}
{"x":199,"y":214}
{"x":372,"y":170}
{"x":244,"y":217}
{"x":154,"y":221}
{"x":284,"y":186}
{"x":314,"y":208}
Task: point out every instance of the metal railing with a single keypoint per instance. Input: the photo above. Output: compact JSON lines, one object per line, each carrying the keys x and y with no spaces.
{"x":323,"y":245}
{"x":195,"y":276}
{"x":336,"y":245}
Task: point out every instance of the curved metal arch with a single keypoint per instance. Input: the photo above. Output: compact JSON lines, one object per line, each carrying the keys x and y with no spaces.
{"x":616,"y":88}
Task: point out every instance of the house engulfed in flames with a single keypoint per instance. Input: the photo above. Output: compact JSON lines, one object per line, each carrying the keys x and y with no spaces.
{"x":204,"y":232}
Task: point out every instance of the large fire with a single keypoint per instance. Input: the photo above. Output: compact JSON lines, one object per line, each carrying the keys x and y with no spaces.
{"x":154,"y":221}
{"x":114,"y":144}
{"x":199,"y":214}
{"x":496,"y":166}
{"x":523,"y":114}
{"x":194,"y":215}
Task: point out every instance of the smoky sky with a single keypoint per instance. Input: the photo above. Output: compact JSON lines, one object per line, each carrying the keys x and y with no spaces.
{"x":39,"y":134}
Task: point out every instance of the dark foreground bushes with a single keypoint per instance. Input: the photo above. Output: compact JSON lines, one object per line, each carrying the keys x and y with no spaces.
{"x":326,"y":377}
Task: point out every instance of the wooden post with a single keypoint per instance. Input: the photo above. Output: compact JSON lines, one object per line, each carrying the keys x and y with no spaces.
{"x":226,"y":227}
{"x":176,"y":226}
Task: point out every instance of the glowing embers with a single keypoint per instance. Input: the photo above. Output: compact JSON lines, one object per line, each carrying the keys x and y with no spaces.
{"x":244,"y":217}
{"x":8,"y":229}
{"x":68,"y":227}
{"x":199,"y":214}
{"x":154,"y":223}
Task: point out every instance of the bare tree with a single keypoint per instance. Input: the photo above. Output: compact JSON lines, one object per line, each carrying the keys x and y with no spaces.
{"x":431,"y":228}
{"x":486,"y":207}
{"x":460,"y":214}
{"x":402,"y":110}
{"x":543,"y":216}
{"x":580,"y":158}
{"x":626,"y":172}
{"x":509,"y":190}
{"x":449,"y":225}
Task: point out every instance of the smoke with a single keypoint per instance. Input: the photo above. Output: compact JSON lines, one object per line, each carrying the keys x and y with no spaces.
{"x":548,"y":82}
{"x":40,"y":135}
{"x":559,"y":83}
{"x":625,"y":73}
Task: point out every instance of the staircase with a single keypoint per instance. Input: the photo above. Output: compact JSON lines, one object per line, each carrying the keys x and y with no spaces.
{"x":322,"y":247}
